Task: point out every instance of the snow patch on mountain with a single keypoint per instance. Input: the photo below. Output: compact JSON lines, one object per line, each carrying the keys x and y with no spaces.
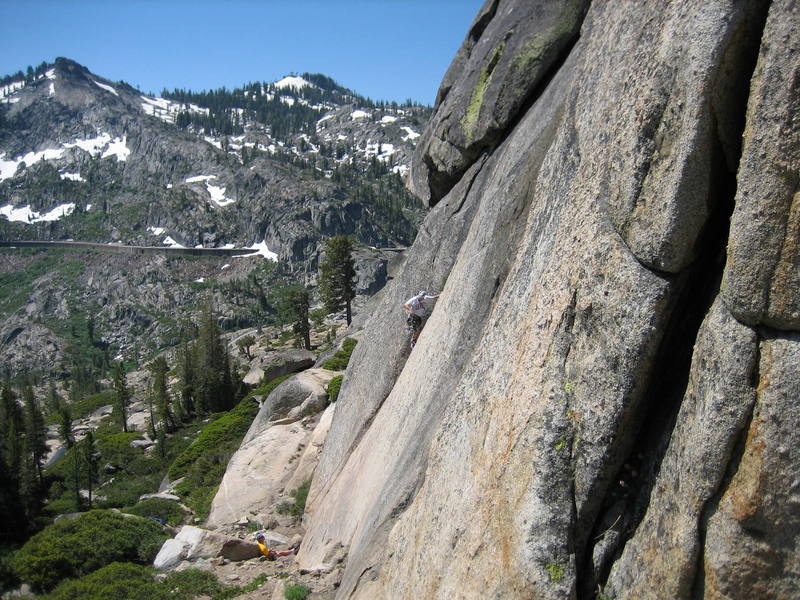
{"x":119,"y":148}
{"x":12,"y":87}
{"x":24,"y":214}
{"x":217,"y":193}
{"x":260,"y":249}
{"x":293,"y":82}
{"x":410,"y":134}
{"x":113,"y":147}
{"x":71,"y":176}
{"x":167,"y":110}
{"x":200,"y":178}
{"x":107,"y":88}
{"x":168,"y":241}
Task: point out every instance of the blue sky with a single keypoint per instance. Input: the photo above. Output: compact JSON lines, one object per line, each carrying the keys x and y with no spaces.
{"x":384,"y":49}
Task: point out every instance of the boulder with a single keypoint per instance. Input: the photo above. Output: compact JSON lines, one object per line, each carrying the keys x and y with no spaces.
{"x":142,"y":444}
{"x":306,"y":389}
{"x":283,"y":362}
{"x":236,"y":550}
{"x":171,"y":554}
{"x":196,"y":545}
{"x":161,"y":496}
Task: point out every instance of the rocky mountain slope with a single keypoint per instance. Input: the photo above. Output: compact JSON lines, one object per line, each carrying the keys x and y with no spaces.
{"x":86,"y":158}
{"x":604,"y":402}
{"x":278,"y":167}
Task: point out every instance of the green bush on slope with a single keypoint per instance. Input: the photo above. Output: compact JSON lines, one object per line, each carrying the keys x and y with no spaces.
{"x":73,"y":547}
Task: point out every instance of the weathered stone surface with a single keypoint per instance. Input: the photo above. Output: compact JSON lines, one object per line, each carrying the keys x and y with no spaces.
{"x":762,"y":276}
{"x":236,"y":549}
{"x":306,"y":388}
{"x":577,"y":260}
{"x":195,"y":544}
{"x":171,"y":554}
{"x":508,"y":52}
{"x":263,"y":467}
{"x":752,"y":544}
{"x":283,"y":362}
{"x":661,"y":558}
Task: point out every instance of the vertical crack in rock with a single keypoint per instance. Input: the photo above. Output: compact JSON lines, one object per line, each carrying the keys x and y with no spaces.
{"x":627,"y":499}
{"x":698,"y":586}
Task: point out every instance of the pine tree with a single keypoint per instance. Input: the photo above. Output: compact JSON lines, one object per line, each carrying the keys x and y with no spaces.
{"x":161,"y":398}
{"x":65,"y":425}
{"x":293,"y":306}
{"x":122,"y":396}
{"x":88,"y":459}
{"x":212,"y":393}
{"x":245,"y":343}
{"x":337,"y":282}
{"x":11,"y":422}
{"x":35,"y":432}
{"x":11,"y":527}
{"x":186,"y":377}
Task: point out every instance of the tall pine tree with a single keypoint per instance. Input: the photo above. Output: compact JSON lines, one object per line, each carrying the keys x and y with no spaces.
{"x":35,"y":432}
{"x":294,"y":305}
{"x":122,"y":396}
{"x":161,"y":398}
{"x":213,"y":382}
{"x":337,"y":280}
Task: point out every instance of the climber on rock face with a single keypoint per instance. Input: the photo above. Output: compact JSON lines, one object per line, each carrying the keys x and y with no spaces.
{"x":419,"y":308}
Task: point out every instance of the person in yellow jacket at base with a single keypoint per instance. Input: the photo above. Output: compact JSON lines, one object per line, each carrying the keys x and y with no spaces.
{"x":267,"y":552}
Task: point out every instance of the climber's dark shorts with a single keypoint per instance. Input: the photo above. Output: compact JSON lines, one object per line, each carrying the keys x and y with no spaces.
{"x":414,"y":322}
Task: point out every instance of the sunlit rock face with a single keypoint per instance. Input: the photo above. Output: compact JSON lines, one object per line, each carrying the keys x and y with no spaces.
{"x":605,"y":396}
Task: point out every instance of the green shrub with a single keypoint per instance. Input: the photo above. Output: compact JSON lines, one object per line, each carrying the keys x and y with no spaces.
{"x":8,"y":579}
{"x":334,"y":385}
{"x":71,"y":548}
{"x":220,"y":436}
{"x":342,"y":357}
{"x":121,"y":581}
{"x":296,"y":591}
{"x":127,"y":581}
{"x":188,"y":584}
{"x":298,"y":507}
{"x":159,"y":508}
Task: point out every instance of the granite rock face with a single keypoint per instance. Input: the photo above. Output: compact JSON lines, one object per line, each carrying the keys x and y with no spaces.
{"x":592,"y":407}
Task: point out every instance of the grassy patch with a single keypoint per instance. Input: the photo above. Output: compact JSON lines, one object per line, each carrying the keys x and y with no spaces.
{"x":342,"y":357}
{"x":159,"y":508}
{"x":296,"y":591}
{"x":298,"y":506}
{"x":334,"y":385}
